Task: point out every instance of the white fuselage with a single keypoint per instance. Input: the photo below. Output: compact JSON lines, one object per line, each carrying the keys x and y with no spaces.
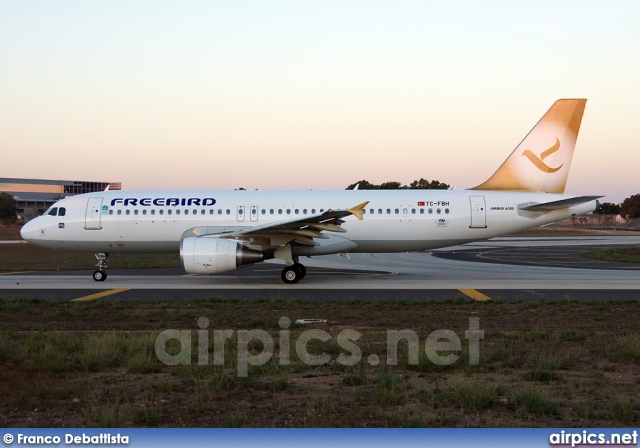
{"x":394,"y":220}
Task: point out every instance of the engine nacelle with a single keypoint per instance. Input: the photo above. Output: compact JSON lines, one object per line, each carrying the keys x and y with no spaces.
{"x":200,"y":255}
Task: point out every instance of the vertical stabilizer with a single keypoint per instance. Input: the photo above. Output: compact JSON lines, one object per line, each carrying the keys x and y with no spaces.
{"x":542,"y":160}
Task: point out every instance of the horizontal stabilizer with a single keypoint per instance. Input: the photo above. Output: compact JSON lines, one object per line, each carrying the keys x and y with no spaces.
{"x":556,"y":205}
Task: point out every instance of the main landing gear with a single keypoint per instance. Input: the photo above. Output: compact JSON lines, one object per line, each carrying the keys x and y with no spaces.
{"x":294,"y":273}
{"x":101,"y":274}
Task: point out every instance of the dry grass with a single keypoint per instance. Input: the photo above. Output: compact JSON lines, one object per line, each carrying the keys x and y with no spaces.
{"x":26,"y":257}
{"x":94,"y":364}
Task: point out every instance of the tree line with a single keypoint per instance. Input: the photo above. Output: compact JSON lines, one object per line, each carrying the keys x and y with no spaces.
{"x":422,"y":184}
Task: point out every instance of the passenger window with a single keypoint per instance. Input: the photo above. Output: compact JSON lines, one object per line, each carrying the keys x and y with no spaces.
{"x":422,"y":211}
{"x":153,"y":212}
{"x":388,"y":211}
{"x":379,"y":211}
{"x":288,"y":211}
{"x":53,"y":211}
{"x":397,"y":211}
{"x":304,"y":211}
{"x":438,"y":211}
{"x":313,"y":211}
{"x":446,"y":210}
{"x":271,"y":212}
{"x":240,"y":211}
{"x":144,"y":212}
{"x":430,"y":211}
{"x":228,"y":212}
{"x":169,"y":212}
{"x":160,"y":212}
{"x":405,"y":211}
{"x":254,"y":211}
{"x":62,"y":211}
{"x":263,"y":211}
{"x":220,"y":212}
{"x":119,"y":212}
{"x":297,"y":211}
{"x":186,"y":212}
{"x":321,"y":210}
{"x":279,"y":211}
{"x":211,"y":211}
{"x":178,"y":212}
{"x":111,"y":212}
{"x":413,"y":211}
{"x":364,"y":211}
{"x":195,"y":212}
{"x":135,"y":212}
{"x":128,"y":212}
{"x":202,"y":212}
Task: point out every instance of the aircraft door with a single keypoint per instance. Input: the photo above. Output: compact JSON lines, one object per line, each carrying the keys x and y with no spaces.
{"x":240,"y":214}
{"x":254,"y":213}
{"x":92,"y":217}
{"x":478,"y":212}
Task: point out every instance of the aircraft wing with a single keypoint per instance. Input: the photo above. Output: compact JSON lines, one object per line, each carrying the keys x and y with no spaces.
{"x":556,"y":205}
{"x":300,"y":230}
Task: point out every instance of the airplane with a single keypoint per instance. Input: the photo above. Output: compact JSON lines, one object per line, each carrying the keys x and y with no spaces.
{"x":221,"y":231}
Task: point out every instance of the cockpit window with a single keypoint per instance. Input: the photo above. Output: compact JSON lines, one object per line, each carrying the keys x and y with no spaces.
{"x":62,"y":211}
{"x":53,"y":211}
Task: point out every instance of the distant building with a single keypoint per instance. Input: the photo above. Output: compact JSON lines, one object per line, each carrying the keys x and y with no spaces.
{"x":34,"y":196}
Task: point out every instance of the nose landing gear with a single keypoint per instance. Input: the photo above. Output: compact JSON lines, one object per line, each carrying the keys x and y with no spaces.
{"x":101,"y":274}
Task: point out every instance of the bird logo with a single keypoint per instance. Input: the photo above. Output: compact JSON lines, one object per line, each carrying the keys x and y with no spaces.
{"x":538,"y":161}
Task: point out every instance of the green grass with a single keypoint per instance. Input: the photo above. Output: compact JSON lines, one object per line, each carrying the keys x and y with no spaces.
{"x":621,"y":254}
{"x":236,"y":421}
{"x":389,"y":389}
{"x":466,"y":394}
{"x":145,"y":417}
{"x":624,"y":411}
{"x":541,"y":376}
{"x":534,"y":400}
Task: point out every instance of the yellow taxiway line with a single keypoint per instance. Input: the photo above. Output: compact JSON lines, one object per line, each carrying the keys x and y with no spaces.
{"x":475,"y":295}
{"x":99,"y":295}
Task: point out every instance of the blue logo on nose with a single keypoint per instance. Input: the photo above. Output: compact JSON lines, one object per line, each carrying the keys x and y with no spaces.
{"x":61,"y":225}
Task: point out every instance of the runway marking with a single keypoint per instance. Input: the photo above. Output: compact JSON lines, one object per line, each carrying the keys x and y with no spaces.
{"x":99,"y":295}
{"x":13,"y":273}
{"x":475,"y":295}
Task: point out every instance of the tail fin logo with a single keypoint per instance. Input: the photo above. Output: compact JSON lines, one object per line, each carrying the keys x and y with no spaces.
{"x":538,"y":161}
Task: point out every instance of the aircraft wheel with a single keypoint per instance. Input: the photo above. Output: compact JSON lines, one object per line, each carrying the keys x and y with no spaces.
{"x":291,"y":275}
{"x":300,"y":267}
{"x":100,"y":276}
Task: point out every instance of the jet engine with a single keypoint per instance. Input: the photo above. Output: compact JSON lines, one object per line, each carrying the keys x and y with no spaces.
{"x":200,"y":255}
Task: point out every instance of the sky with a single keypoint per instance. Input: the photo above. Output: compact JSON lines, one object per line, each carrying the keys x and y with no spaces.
{"x":312,"y":94}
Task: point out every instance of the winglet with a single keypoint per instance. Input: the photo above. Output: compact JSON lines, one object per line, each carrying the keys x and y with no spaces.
{"x":357,"y":210}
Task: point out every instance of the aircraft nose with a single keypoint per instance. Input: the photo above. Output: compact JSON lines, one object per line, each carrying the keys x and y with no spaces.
{"x":29,"y":230}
